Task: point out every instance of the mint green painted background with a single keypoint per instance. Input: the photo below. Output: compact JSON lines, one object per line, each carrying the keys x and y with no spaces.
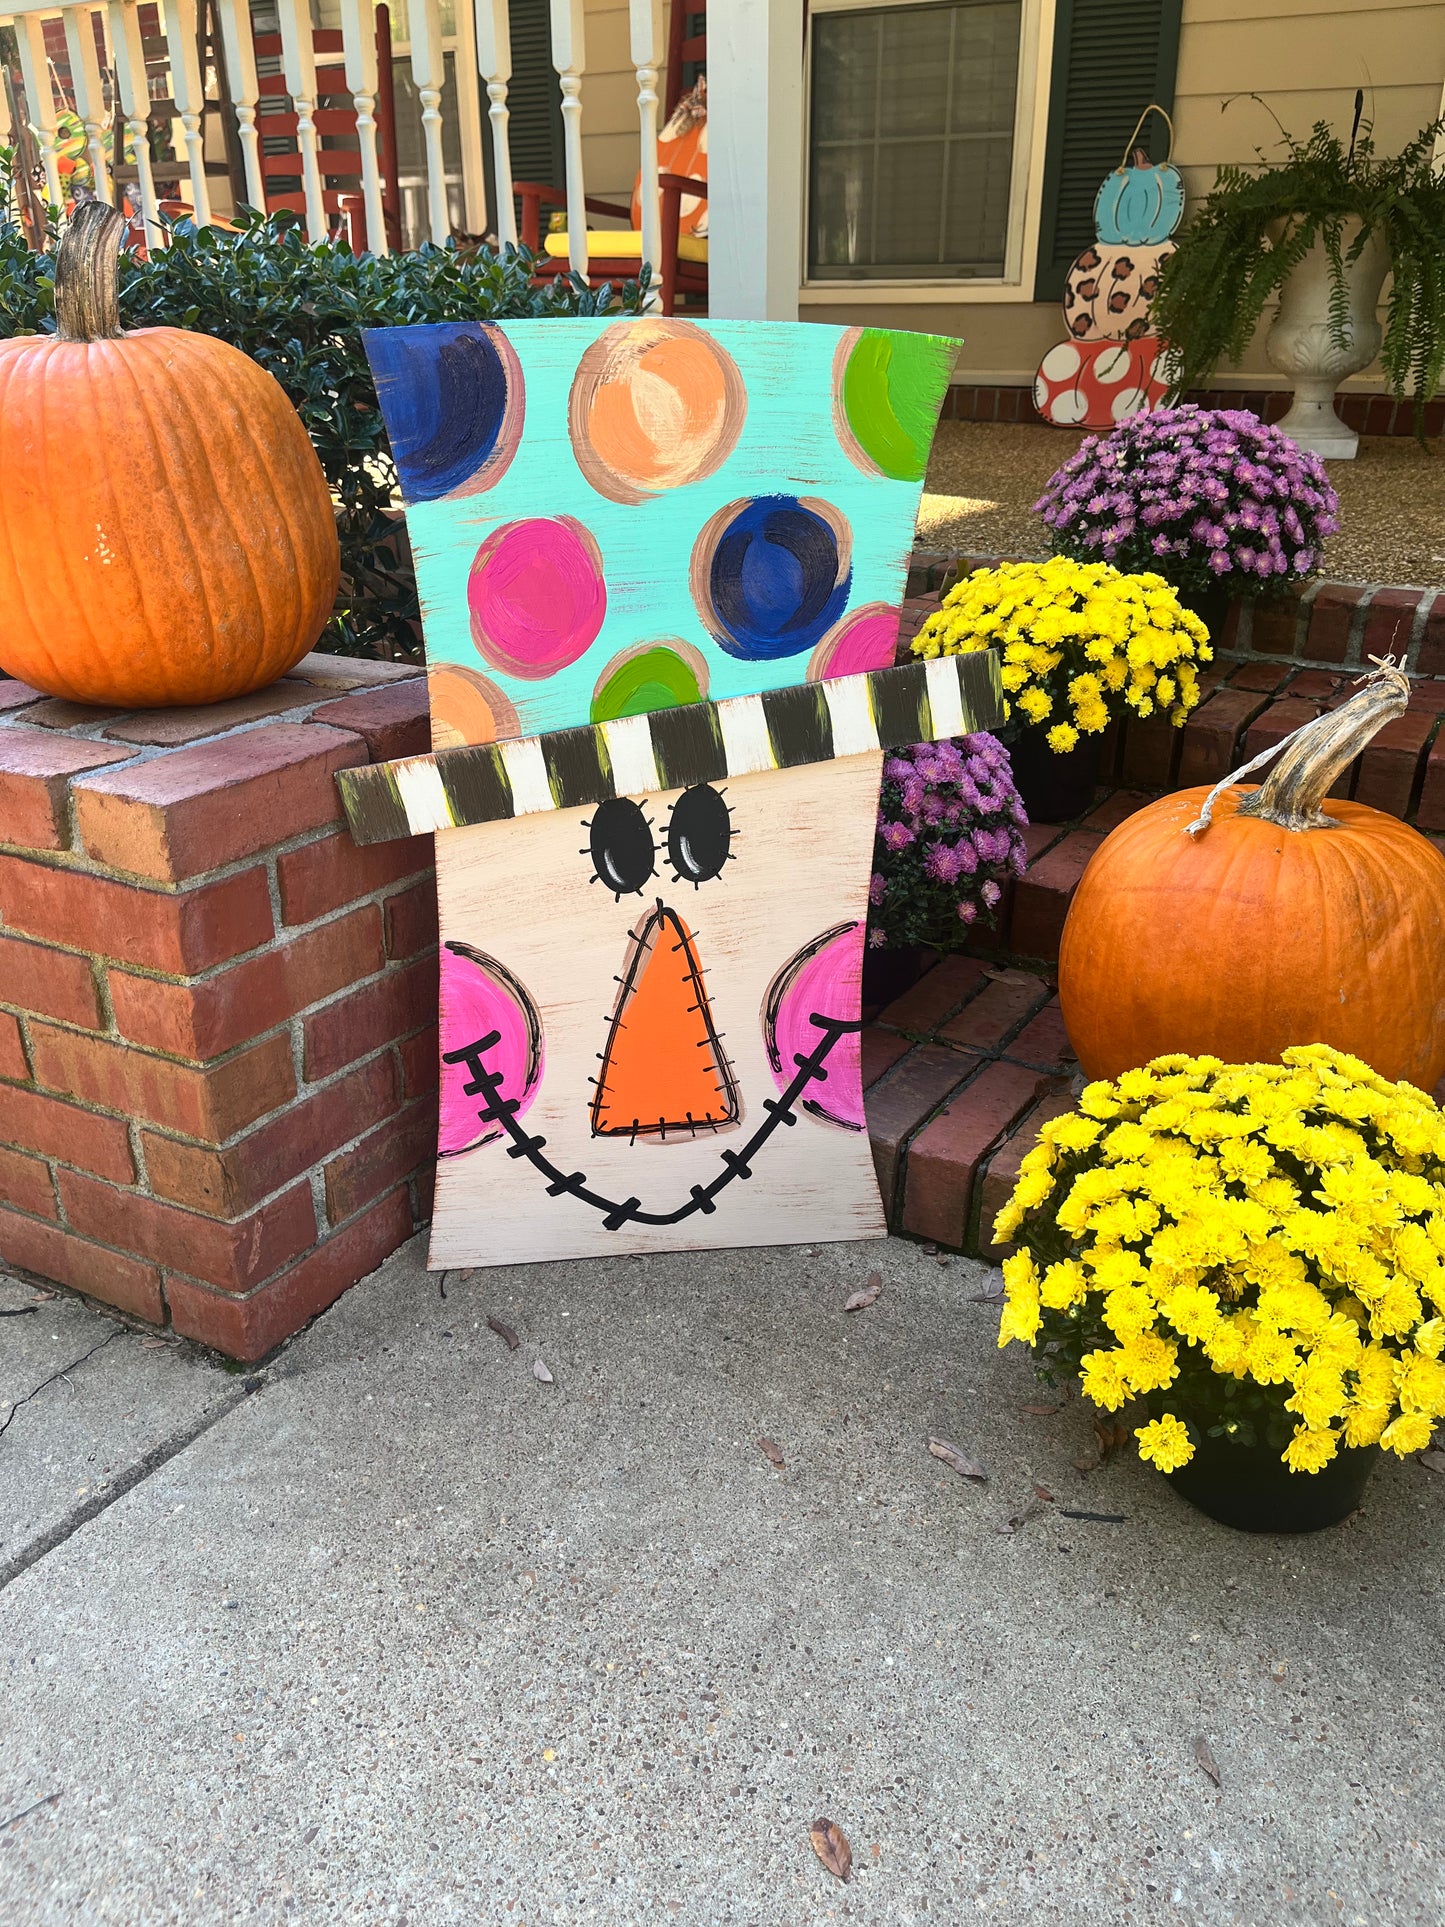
{"x":787,"y":446}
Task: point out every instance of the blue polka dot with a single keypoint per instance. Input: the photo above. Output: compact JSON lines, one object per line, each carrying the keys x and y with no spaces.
{"x":452,"y":396}
{"x":771,"y":575}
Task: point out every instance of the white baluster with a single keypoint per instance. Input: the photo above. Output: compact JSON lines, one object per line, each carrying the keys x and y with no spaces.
{"x":85,"y":85}
{"x":428,"y":72}
{"x":40,"y":100}
{"x":245,"y":90}
{"x":358,"y":38}
{"x":494,"y":58}
{"x":569,"y":57}
{"x":6,"y":134}
{"x":298,"y":64}
{"x":130,"y":80}
{"x":189,"y":94}
{"x":647,"y":51}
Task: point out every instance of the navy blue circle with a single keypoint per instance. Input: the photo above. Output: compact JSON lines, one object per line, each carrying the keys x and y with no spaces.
{"x":775,"y":580}
{"x":443,"y":393}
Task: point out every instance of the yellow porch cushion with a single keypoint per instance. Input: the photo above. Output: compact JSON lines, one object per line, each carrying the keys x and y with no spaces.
{"x":617,"y":244}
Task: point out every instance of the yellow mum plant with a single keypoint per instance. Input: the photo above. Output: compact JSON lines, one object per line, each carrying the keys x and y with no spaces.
{"x":1257,"y":1251}
{"x":1076,"y":639}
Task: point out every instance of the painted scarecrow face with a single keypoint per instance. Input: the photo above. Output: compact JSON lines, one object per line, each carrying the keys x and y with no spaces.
{"x":650,"y":1003}
{"x":670,"y":990}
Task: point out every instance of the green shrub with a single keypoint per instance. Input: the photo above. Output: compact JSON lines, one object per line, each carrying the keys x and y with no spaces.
{"x":299,"y":310}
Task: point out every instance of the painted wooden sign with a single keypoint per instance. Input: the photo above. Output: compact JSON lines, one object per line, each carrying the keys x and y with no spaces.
{"x":1112,"y":367}
{"x":660,"y":568}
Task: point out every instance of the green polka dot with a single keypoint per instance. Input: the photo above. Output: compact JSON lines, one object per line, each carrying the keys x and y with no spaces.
{"x":892,"y":387}
{"x":641,"y":682}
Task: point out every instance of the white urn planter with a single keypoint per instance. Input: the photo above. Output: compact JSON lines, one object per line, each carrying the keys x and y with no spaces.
{"x":1301,"y":342}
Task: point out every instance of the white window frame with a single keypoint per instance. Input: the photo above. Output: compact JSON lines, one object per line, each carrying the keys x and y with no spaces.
{"x":1021,"y":241}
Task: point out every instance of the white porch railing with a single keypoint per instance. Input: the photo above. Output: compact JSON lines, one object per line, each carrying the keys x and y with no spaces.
{"x":107,"y":70}
{"x":755,"y":112}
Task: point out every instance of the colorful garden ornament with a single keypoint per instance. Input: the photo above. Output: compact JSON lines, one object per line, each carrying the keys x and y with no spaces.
{"x":660,"y":568}
{"x":1112,"y":367}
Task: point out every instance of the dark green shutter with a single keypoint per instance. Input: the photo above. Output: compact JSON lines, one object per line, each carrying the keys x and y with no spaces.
{"x":534,"y":101}
{"x":1111,"y":58}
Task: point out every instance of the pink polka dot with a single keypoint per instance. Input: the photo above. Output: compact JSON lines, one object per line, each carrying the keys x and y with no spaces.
{"x":864,"y":640}
{"x":536,"y":595}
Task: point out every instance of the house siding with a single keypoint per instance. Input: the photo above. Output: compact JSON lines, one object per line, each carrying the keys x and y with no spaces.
{"x":1305,"y":58}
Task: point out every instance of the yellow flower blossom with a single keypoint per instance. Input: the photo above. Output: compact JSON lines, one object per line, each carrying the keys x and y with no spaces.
{"x":1310,"y":1450}
{"x":1102,"y":1380}
{"x":1164,"y":1442}
{"x":1281,"y":1225}
{"x":1411,"y":1432}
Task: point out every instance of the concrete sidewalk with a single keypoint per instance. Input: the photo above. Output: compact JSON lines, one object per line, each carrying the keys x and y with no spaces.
{"x":393,"y":1631}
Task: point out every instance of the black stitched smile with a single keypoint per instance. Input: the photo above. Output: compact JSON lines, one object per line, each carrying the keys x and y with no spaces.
{"x":735,"y":1164}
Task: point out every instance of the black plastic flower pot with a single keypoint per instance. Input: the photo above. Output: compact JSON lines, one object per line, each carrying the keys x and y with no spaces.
{"x":1250,"y":1488}
{"x":1055,"y":787}
{"x":1211,"y":604}
{"x":887,"y":973}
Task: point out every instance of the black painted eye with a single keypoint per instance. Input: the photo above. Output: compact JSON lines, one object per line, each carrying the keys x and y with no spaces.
{"x":621,"y":846}
{"x":699,"y":834}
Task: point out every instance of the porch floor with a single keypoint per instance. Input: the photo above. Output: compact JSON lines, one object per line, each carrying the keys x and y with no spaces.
{"x":390,"y":1631}
{"x":984,"y":476}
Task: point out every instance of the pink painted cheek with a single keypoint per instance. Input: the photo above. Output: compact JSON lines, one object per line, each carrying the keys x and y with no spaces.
{"x":536,"y":595}
{"x":827,"y":982}
{"x":478,"y":997}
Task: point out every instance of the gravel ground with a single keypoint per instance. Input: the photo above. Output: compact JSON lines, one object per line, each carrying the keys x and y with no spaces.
{"x":984,"y":476}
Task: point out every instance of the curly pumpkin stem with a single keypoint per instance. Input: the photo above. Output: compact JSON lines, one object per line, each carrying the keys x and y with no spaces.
{"x":1312,"y":756}
{"x":87,"y":274}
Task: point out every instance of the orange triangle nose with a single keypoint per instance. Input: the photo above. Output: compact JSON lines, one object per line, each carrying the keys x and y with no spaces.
{"x":664,"y":1069}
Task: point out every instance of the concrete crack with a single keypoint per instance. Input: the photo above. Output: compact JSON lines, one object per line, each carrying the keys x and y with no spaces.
{"x":59,"y":1372}
{"x":134,"y":1475}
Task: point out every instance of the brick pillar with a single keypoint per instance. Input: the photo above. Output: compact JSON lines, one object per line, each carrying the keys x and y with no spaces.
{"x":217,"y":1015}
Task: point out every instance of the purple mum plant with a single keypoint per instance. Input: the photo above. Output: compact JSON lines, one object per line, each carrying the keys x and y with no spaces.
{"x":949,"y":822}
{"x":1203,"y":496}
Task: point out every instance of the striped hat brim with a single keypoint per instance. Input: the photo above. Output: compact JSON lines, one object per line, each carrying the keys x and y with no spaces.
{"x":667,"y":749}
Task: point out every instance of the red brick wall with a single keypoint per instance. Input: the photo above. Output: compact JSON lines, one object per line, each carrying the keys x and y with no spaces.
{"x":217,"y":1015}
{"x":1366,"y":414}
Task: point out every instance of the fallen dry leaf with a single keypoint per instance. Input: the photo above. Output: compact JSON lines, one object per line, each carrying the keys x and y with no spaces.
{"x":505,"y":1332}
{"x":870,"y":1294}
{"x":1043,"y":1492}
{"x":965,"y":1467}
{"x":1032,"y":1510}
{"x":541,"y":1374}
{"x":1433,"y":1460}
{"x":830,"y":1843}
{"x":1003,"y":974}
{"x":1088,"y":1464}
{"x":1206,"y":1758}
{"x":156,"y":1344}
{"x":1038,"y":1411}
{"x":1110,"y":1434}
{"x":772,"y":1452}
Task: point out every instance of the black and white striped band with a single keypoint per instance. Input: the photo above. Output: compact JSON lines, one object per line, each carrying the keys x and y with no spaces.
{"x":917,"y":702}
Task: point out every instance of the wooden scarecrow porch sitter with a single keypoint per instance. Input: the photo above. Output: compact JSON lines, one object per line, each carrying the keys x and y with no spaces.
{"x":660,"y":568}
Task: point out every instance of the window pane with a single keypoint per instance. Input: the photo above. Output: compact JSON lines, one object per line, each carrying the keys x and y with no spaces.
{"x":911,"y":139}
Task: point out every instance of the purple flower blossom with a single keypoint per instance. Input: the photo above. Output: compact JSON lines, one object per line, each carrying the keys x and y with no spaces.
{"x":1168,"y":490}
{"x":948,"y":836}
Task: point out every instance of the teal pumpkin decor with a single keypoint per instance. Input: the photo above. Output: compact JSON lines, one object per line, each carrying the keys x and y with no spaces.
{"x":1141,"y":202}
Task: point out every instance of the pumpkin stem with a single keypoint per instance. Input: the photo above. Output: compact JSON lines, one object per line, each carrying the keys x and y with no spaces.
{"x":1312,"y":756}
{"x":87,"y":274}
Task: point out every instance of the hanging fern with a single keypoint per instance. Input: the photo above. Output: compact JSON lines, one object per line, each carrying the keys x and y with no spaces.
{"x":1257,"y":224}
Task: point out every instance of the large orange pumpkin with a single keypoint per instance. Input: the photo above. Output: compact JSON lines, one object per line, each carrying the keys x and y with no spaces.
{"x":1288,"y":919}
{"x":166,"y":534}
